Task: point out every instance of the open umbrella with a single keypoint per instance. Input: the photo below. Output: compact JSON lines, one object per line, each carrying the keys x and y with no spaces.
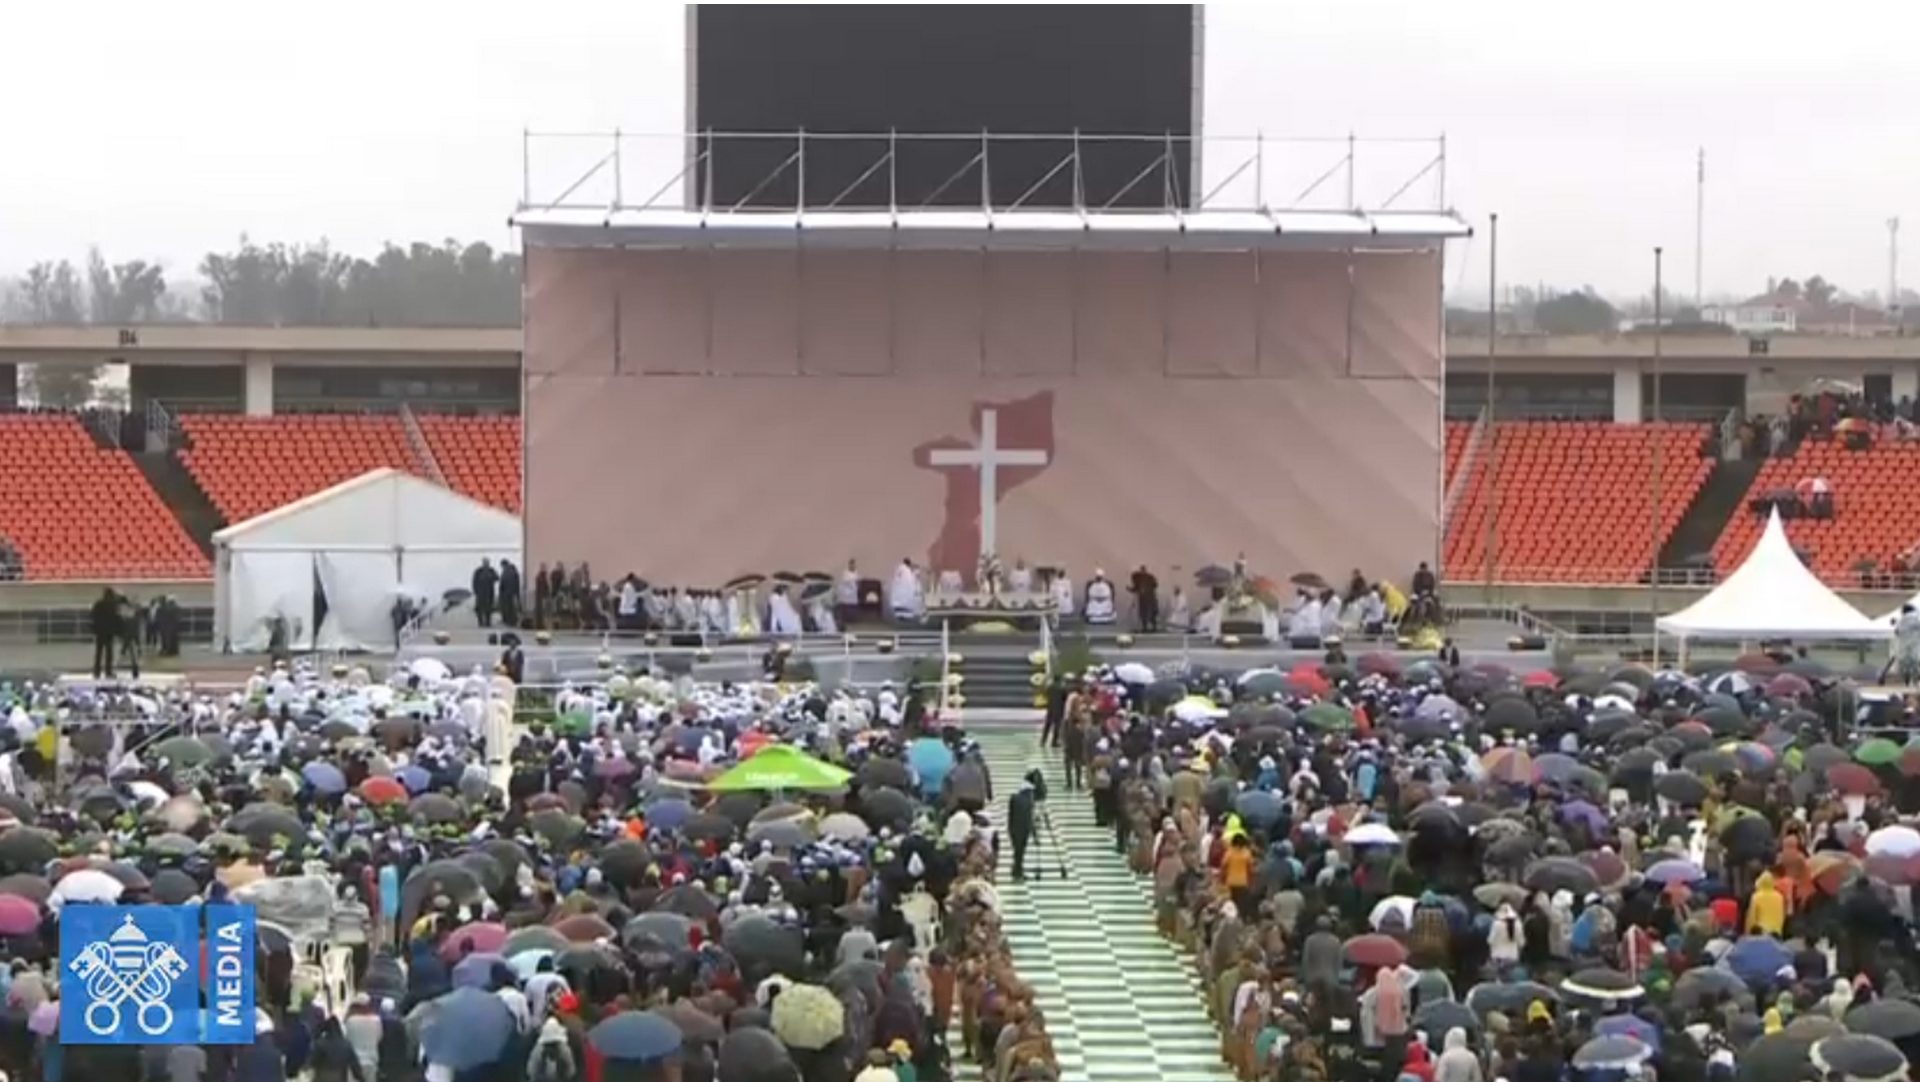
{"x":781,"y":766}
{"x":1675,"y":870}
{"x":753,"y":1054}
{"x":1611,"y":1054}
{"x":1602,"y":983}
{"x":1758,"y":958}
{"x":467,"y":1028}
{"x":1889,"y":1019}
{"x":1778,"y":1057}
{"x":694,"y":1024}
{"x":1508,"y":997}
{"x":584,"y":928}
{"x":1374,"y":951}
{"x":1706,"y":983}
{"x":1859,"y":1057}
{"x":1508,"y":765}
{"x":636,"y":1037}
{"x":534,"y":937}
{"x":1877,"y":752}
{"x":661,"y":929}
{"x":1560,"y":873}
{"x":808,"y":1017}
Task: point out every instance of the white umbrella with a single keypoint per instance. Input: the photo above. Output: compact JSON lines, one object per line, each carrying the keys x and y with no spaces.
{"x":1372,"y":834}
{"x":1896,"y":841}
{"x":1133,"y":672}
{"x":1612,"y":702}
{"x":1734,"y":682}
{"x":1198,"y":708}
{"x":1251,"y":674}
{"x":429,"y":669}
{"x":1399,"y":903}
{"x":85,"y":885}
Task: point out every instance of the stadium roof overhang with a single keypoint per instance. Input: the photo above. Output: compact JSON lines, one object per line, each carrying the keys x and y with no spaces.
{"x":1208,"y":230}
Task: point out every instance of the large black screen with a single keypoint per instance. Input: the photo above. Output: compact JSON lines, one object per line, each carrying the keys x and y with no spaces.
{"x":1005,"y":69}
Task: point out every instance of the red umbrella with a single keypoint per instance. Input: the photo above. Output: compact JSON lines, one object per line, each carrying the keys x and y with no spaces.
{"x":1542,"y":679}
{"x":1789,"y":686}
{"x":1375,"y":951}
{"x":379,"y":790}
{"x":486,"y":937}
{"x":584,"y":928}
{"x":1852,"y":779}
{"x":1379,"y":665}
{"x":1607,"y":867}
{"x":1306,"y":679}
{"x":18,"y":916}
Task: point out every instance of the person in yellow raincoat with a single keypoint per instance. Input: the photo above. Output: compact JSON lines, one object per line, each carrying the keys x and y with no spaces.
{"x":1767,"y":908}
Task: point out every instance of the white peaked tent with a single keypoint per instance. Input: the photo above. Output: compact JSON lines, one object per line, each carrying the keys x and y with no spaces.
{"x":1772,"y":594}
{"x":346,"y":555}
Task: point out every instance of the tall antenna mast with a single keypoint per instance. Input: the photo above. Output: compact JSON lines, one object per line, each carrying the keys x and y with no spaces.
{"x":1700,"y":229}
{"x":1893,"y":268}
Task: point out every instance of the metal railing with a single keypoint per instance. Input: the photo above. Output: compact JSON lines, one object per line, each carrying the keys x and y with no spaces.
{"x":946,"y":667}
{"x":607,"y":172}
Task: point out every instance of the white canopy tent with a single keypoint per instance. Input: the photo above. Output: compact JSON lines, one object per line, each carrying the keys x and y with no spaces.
{"x":1772,"y":595}
{"x":334,"y":564}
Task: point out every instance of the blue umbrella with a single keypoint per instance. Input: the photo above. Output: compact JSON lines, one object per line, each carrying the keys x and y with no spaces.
{"x":1260,"y":809}
{"x":469,"y":1029}
{"x":1668,"y":872}
{"x":1628,"y":1025}
{"x":415,"y":778}
{"x":932,"y":760}
{"x":670,"y":814}
{"x":1757,"y":958}
{"x":476,"y":971}
{"x":1582,"y":811}
{"x":325,"y":778}
{"x":635,"y":1037}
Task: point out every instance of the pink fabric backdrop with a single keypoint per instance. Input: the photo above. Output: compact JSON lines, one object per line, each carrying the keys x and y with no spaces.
{"x":1315,"y":444}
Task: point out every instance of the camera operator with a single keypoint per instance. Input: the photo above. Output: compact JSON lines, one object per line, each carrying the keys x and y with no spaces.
{"x":1022,"y":808}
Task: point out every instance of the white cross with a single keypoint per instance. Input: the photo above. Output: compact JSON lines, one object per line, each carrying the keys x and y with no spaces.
{"x":988,"y":456}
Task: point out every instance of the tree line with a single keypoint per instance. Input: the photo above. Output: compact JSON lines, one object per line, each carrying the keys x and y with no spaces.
{"x":451,"y":284}
{"x":415,"y":285}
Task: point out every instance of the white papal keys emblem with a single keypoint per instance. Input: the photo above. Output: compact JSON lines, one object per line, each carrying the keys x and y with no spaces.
{"x":128,"y":968}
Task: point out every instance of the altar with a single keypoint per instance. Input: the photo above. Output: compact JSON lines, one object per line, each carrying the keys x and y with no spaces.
{"x":981,"y":605}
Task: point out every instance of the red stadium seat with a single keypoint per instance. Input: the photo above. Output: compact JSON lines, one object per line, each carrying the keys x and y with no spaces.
{"x":74,"y":510}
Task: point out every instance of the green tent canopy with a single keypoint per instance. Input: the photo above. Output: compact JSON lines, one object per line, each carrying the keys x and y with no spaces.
{"x":780,"y":766}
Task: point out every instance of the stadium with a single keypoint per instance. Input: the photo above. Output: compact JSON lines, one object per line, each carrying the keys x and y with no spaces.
{"x":959,"y":572}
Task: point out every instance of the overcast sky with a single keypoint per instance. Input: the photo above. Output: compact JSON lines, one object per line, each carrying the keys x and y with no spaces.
{"x":162,"y":129}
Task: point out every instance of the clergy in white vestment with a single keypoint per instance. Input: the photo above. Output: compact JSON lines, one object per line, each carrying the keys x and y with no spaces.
{"x":1332,"y":617}
{"x":686,"y":611}
{"x":822,"y":616}
{"x":1099,"y":608}
{"x":1305,"y":623}
{"x":846,"y":592}
{"x":1270,"y":621}
{"x":1062,"y":591}
{"x":713,"y":616}
{"x":903,"y":600}
{"x":1179,"y":614}
{"x":627,"y":610}
{"x":782,"y":617}
{"x":1020,"y":579}
{"x":1211,"y":619}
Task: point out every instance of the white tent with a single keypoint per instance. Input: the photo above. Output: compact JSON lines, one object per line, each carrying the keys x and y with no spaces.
{"x":346,"y":555}
{"x":1772,"y":594}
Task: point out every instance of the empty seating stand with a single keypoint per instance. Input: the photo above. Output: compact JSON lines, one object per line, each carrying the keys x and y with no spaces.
{"x":251,"y":465}
{"x":1574,"y":499}
{"x":71,"y":509}
{"x":1876,"y":514}
{"x":480,"y":456}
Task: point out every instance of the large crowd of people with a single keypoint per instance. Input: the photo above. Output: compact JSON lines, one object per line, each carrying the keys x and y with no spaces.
{"x":654,"y":879}
{"x":1457,"y":874}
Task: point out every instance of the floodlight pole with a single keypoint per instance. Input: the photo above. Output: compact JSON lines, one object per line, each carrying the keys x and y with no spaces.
{"x":1492,"y":538}
{"x":1653,"y":578}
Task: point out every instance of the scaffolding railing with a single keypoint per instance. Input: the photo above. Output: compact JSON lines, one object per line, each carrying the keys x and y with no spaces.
{"x":994,"y":171}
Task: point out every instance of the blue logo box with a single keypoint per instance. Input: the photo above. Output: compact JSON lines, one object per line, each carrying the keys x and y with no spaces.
{"x":157,"y":974}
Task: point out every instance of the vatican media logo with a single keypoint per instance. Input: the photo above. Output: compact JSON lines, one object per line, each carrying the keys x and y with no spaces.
{"x":157,"y":974}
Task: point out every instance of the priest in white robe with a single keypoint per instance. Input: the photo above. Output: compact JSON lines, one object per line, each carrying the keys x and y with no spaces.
{"x":904,"y":599}
{"x":1062,"y":591}
{"x":713,"y":616}
{"x":1020,"y":579}
{"x":1305,"y":623}
{"x":821,"y":614}
{"x":846,"y":593}
{"x":1099,"y":607}
{"x":1179,"y":614}
{"x":1211,"y":620}
{"x":782,"y":618}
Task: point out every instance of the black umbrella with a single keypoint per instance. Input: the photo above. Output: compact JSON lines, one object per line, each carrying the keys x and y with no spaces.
{"x":1778,"y":1057}
{"x":752,"y":1054}
{"x":1682,"y":787}
{"x":1442,"y":1015}
{"x":707,"y":827}
{"x":1816,"y":759}
{"x":171,"y":886}
{"x":886,"y":807}
{"x":814,"y":590}
{"x":688,"y":900}
{"x":1512,"y":851}
{"x":764,"y":947}
{"x":1511,"y":713}
{"x":1712,"y":763}
{"x":1508,"y":997}
{"x":891,"y":773}
{"x":1892,"y":1019}
{"x":492,"y":877}
{"x":385,"y":978}
{"x":1859,"y":1057}
{"x":1749,"y":838}
{"x":660,"y":930}
{"x":1707,"y":983}
{"x":435,"y":808}
{"x":745,"y":582}
{"x":34,"y":888}
{"x":1635,"y":766}
{"x":261,"y":824}
{"x":791,"y":578}
{"x":1212,"y":575}
{"x":1164,"y":693}
{"x":557,"y":827}
{"x":1560,"y":873}
{"x":1602,"y":983}
{"x":448,"y":878}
